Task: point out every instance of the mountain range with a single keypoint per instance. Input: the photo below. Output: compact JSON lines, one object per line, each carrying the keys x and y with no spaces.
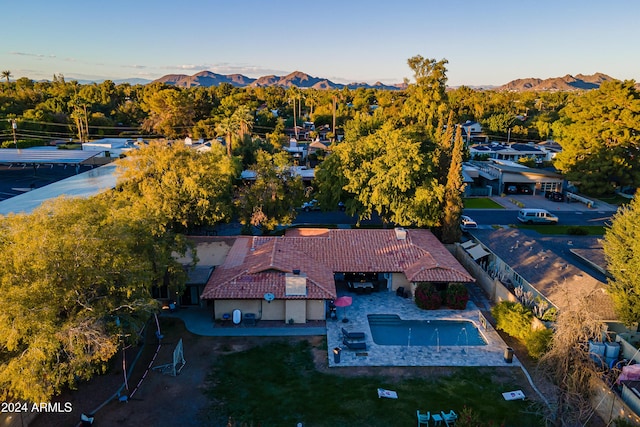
{"x":297,"y":78}
{"x":303,"y":80}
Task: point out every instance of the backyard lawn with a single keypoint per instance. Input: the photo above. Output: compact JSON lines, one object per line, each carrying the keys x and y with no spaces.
{"x":481,"y":203}
{"x":278,"y":384}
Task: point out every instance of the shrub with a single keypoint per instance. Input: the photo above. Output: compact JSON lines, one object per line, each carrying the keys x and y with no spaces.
{"x":456,"y":296}
{"x":513,"y":318}
{"x":428,"y":297}
{"x":538,"y":342}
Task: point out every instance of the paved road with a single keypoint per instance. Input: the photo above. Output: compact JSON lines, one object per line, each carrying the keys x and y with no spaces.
{"x":506,"y":217}
{"x":568,"y":213}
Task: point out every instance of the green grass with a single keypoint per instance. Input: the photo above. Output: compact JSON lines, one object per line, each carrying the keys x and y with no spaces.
{"x":481,"y":203}
{"x":594,"y":230}
{"x":278,"y":385}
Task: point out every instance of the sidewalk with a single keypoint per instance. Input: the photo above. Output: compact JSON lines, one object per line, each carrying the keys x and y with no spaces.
{"x":539,"y":202}
{"x":198,"y":321}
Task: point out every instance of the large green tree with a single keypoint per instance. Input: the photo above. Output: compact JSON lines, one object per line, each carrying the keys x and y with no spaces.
{"x":600,"y":137}
{"x":170,"y":112}
{"x":269,"y":200}
{"x":387,"y":174}
{"x":426,"y":97}
{"x":622,"y":250}
{"x":75,"y":278}
{"x":178,"y":187}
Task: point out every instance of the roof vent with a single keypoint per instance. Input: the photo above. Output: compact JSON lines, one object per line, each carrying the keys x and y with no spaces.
{"x":401,"y":233}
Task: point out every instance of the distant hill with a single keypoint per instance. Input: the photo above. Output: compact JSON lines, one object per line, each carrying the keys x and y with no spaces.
{"x":205,"y":79}
{"x":566,"y":83}
{"x":297,"y":79}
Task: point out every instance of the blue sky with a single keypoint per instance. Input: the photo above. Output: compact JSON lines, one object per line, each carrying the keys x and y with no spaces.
{"x":486,"y":43}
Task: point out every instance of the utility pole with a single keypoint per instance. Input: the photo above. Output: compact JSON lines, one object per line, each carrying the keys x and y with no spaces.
{"x":334,"y":99}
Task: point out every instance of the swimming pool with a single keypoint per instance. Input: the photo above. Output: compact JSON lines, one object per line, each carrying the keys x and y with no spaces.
{"x":389,"y":329}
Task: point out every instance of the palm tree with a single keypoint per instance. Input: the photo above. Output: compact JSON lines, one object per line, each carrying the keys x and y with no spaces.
{"x":227,"y":127}
{"x":6,"y":74}
{"x":244,"y":120}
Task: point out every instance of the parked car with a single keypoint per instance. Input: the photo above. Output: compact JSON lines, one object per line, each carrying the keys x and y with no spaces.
{"x":466,"y":223}
{"x":554,"y":196}
{"x":524,"y":189}
{"x":311,"y":205}
{"x":536,"y":216}
{"x":519,"y":189}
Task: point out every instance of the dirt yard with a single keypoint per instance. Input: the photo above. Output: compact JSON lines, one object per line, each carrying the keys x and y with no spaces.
{"x":160,"y":400}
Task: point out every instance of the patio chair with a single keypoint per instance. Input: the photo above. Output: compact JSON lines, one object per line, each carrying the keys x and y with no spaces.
{"x":355,"y":345}
{"x":352,"y":335}
{"x":423,"y":419}
{"x":450,"y":418}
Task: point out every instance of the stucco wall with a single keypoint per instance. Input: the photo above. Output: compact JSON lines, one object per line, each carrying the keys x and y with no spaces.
{"x":273,"y":310}
{"x":316,"y":310}
{"x":399,"y":279}
{"x":283,"y":310}
{"x":245,"y":306}
{"x":296,"y":310}
{"x":493,"y":288}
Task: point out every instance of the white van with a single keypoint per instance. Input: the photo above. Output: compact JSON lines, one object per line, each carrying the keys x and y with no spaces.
{"x":536,"y":216}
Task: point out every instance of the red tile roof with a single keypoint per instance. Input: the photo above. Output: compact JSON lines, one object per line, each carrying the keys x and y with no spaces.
{"x":257,"y":265}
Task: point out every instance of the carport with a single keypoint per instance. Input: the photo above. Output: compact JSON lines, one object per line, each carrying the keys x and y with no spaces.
{"x":37,"y":157}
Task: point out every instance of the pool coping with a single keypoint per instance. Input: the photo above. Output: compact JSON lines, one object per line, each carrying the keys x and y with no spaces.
{"x":436,"y":337}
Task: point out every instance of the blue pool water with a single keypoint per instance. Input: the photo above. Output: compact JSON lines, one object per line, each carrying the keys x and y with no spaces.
{"x":389,"y":329}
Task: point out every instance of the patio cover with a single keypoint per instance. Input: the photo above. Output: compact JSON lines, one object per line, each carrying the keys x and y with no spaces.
{"x":468,"y":244}
{"x":477,"y":252}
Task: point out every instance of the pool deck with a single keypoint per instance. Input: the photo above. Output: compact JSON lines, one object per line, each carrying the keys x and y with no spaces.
{"x":491,"y":354}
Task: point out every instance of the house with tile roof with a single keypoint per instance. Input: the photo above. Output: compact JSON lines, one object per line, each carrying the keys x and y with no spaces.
{"x":293,"y":278}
